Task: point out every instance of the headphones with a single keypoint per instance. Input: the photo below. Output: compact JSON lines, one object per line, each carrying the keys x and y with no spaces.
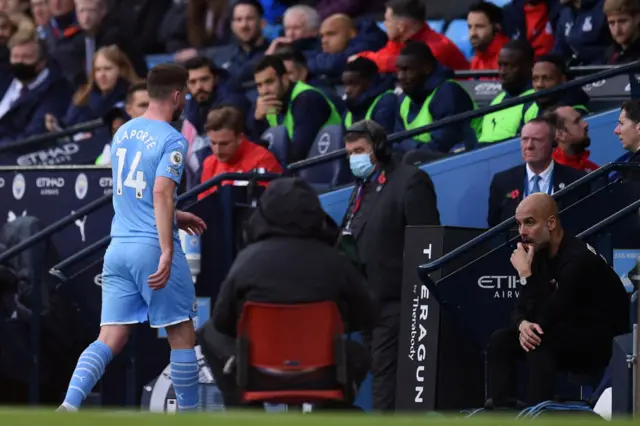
{"x":376,"y":134}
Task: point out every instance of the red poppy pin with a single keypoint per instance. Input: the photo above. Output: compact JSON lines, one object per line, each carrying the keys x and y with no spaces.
{"x":513,"y":194}
{"x":382,"y":178}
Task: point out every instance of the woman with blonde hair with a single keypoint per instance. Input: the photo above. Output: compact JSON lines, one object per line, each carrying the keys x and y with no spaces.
{"x":111,"y":76}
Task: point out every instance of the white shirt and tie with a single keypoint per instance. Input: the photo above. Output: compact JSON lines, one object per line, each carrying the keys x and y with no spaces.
{"x":540,"y":182}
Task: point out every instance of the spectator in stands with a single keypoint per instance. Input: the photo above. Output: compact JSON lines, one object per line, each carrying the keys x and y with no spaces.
{"x":551,"y":71}
{"x":16,"y":9}
{"x":430,"y":94}
{"x":291,"y":258}
{"x":301,"y":28}
{"x":367,"y":95}
{"x":207,"y":89}
{"x":628,"y":132}
{"x":352,"y":8}
{"x":65,"y":40}
{"x":485,"y":34}
{"x":248,"y":45}
{"x":534,"y":21}
{"x":232,"y":152}
{"x":41,"y":13}
{"x":302,"y":109}
{"x":515,"y":63}
{"x":141,"y":20}
{"x":582,"y":33}
{"x":572,"y":137}
{"x":571,"y":306}
{"x":539,"y":173}
{"x":388,"y":197}
{"x":296,"y":65}
{"x":111,"y":76}
{"x":100,"y":32}
{"x":34,"y":87}
{"x":7,"y":30}
{"x":136,"y":104}
{"x":341,"y":39}
{"x":623,"y":18}
{"x":405,"y":21}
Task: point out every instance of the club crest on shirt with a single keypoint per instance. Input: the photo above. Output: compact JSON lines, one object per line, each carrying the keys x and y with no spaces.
{"x":176,"y":158}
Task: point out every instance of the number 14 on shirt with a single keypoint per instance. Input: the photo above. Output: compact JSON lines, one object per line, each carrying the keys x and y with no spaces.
{"x":138,"y":183}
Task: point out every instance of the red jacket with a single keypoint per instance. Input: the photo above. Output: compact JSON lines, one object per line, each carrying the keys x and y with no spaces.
{"x":445,"y":51}
{"x":579,"y":161}
{"x":248,"y":157}
{"x":488,"y":60}
{"x":539,"y":31}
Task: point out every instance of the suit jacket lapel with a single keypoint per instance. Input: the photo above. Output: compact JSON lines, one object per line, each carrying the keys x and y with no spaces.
{"x":373,"y":195}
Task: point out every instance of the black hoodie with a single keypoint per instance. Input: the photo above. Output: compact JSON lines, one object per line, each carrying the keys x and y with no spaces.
{"x":291,"y":258}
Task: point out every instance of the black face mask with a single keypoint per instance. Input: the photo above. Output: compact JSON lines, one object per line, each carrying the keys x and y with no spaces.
{"x":24,"y":72}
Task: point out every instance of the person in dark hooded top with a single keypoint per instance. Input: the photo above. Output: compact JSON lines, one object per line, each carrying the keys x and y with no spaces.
{"x":291,"y":258}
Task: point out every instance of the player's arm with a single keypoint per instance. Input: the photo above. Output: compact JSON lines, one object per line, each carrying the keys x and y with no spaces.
{"x":164,"y":205}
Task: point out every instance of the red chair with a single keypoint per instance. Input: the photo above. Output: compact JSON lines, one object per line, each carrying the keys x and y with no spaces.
{"x":291,"y":354}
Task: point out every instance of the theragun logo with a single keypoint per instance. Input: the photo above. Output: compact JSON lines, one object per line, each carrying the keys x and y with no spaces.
{"x":82,"y":186}
{"x":19,"y":186}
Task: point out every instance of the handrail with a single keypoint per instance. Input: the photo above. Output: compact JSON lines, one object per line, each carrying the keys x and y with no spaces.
{"x":56,"y":270}
{"x":609,"y":220}
{"x":425,"y":269}
{"x":573,"y":71}
{"x":45,"y":137}
{"x":467,"y":115}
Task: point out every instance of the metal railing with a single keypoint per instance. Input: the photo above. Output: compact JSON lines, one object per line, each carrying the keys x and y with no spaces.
{"x":573,"y":71}
{"x":425,"y":269}
{"x":468,"y":115}
{"x":57,"y":270}
{"x":47,"y":137}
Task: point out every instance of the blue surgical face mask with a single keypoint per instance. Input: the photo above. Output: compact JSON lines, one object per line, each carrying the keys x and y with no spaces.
{"x":361,"y":165}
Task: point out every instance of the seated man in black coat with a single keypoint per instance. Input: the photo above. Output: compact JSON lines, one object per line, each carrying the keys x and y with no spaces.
{"x":539,"y":173}
{"x":290,"y":259}
{"x":571,"y":306}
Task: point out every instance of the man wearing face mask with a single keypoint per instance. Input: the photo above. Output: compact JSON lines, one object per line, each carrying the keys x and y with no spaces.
{"x":388,"y":196}
{"x":570,"y":307}
{"x":35,"y":87}
{"x":572,"y":137}
{"x":369,"y":97}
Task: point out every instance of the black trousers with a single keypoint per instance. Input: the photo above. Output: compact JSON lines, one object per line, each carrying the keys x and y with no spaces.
{"x":218,"y":348}
{"x":383,"y":344}
{"x":563,"y":348}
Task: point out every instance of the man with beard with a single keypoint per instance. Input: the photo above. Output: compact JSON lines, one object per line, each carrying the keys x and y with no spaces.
{"x":571,"y":306}
{"x":550,"y":71}
{"x":514,"y":64}
{"x":431,"y":94}
{"x":572,"y":137}
{"x":367,"y":95}
{"x":207,"y":90}
{"x":539,"y":173}
{"x":302,"y":109}
{"x":485,"y":34}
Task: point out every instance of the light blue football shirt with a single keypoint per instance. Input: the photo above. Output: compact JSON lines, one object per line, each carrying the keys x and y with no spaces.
{"x":142,"y":150}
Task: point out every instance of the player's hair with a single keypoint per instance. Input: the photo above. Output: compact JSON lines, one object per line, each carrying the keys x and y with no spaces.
{"x":408,"y":9}
{"x":23,"y":37}
{"x":556,"y":60}
{"x":225,"y":117}
{"x":253,"y":3}
{"x":612,"y":7}
{"x":419,"y":51}
{"x":288,"y":53}
{"x":490,"y":10}
{"x":138,"y":87}
{"x":271,"y":61}
{"x":523,"y":48}
{"x":312,"y":18}
{"x":164,"y":79}
{"x":632,"y":109}
{"x":547,"y":122}
{"x":366,"y":68}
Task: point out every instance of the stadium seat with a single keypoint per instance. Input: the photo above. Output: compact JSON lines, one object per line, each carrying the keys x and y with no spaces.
{"x":334,"y":173}
{"x":153,"y":60}
{"x":458,"y":32}
{"x":436,"y":25}
{"x":291,"y":354}
{"x":272,"y":31}
{"x":277,"y":140}
{"x":500,"y":3}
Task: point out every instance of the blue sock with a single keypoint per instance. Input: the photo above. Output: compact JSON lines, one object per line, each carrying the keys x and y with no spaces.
{"x":185,"y":377}
{"x":89,"y":370}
